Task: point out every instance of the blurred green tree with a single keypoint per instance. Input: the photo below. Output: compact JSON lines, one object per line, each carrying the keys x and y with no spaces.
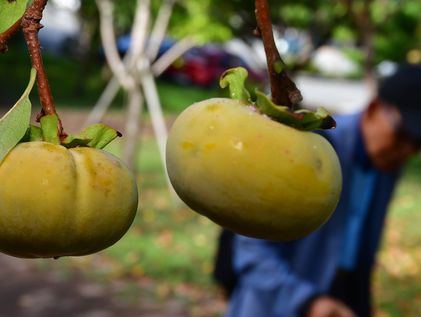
{"x":383,"y":29}
{"x":380,"y":29}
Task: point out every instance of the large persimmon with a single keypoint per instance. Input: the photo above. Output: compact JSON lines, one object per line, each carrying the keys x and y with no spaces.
{"x":251,"y":174}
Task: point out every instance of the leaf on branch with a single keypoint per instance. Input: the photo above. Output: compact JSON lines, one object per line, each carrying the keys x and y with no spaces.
{"x":15,"y":122}
{"x":10,"y":12}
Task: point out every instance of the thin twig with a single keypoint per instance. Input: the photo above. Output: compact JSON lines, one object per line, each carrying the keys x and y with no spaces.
{"x":107,"y":96}
{"x":132,"y":125}
{"x":6,"y":35}
{"x":139,"y":32}
{"x":176,"y":51}
{"x":30,"y":27}
{"x":139,"y":35}
{"x":284,"y":91}
{"x":160,"y":28}
{"x":117,"y":66}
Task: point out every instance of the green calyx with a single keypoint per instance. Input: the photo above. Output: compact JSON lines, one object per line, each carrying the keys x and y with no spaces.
{"x":235,"y":79}
{"x":302,"y":119}
{"x":96,"y":136}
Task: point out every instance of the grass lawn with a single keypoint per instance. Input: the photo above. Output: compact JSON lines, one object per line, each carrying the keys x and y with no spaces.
{"x":169,"y":241}
{"x":398,"y":277}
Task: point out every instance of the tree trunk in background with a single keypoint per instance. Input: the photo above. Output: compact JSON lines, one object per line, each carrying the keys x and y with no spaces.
{"x":132,"y":128}
{"x":366,"y":30}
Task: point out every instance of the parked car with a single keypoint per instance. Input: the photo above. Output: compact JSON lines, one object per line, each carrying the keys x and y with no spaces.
{"x":201,"y":66}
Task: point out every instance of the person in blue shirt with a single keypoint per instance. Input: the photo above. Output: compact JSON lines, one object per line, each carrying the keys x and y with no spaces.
{"x":327,"y":273}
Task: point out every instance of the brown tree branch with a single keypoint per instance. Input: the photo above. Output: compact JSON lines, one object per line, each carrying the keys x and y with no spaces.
{"x":107,"y":32}
{"x":6,"y":35}
{"x":283,"y":89}
{"x":30,"y":27}
{"x":366,"y":29}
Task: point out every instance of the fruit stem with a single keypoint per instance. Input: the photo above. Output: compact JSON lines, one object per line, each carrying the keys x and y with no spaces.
{"x":283,"y":89}
{"x":30,"y":26}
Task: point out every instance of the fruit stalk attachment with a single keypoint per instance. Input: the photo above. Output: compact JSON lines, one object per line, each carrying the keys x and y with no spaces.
{"x":283,"y":89}
{"x":30,"y":26}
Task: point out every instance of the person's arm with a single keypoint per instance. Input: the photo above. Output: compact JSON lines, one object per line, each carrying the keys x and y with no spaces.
{"x":269,"y":287}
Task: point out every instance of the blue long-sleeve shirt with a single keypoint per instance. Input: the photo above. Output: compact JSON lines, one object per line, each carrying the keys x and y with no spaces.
{"x":277,"y":278}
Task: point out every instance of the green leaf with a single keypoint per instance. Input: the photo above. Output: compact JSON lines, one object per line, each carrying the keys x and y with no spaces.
{"x":15,"y":122}
{"x":302,"y":119}
{"x":97,"y":136}
{"x":49,"y":128}
{"x":234,"y":79}
{"x":10,"y":12}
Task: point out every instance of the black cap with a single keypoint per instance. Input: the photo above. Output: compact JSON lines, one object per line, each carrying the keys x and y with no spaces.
{"x":403,"y":90}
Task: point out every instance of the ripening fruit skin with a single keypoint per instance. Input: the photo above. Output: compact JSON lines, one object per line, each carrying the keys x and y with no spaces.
{"x":250,"y":174}
{"x":62,"y":202}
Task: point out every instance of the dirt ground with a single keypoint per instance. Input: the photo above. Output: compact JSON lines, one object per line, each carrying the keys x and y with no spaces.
{"x":26,"y":290}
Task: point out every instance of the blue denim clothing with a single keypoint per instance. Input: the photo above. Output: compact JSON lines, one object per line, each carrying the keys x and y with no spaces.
{"x":277,"y":278}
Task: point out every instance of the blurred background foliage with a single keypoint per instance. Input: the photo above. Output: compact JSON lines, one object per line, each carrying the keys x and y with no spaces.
{"x":366,"y":37}
{"x":395,"y":24}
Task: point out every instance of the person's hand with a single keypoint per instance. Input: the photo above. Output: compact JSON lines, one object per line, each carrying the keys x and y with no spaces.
{"x":326,"y":306}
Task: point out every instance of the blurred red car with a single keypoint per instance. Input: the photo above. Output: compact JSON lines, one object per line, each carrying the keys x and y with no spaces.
{"x":203,"y":66}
